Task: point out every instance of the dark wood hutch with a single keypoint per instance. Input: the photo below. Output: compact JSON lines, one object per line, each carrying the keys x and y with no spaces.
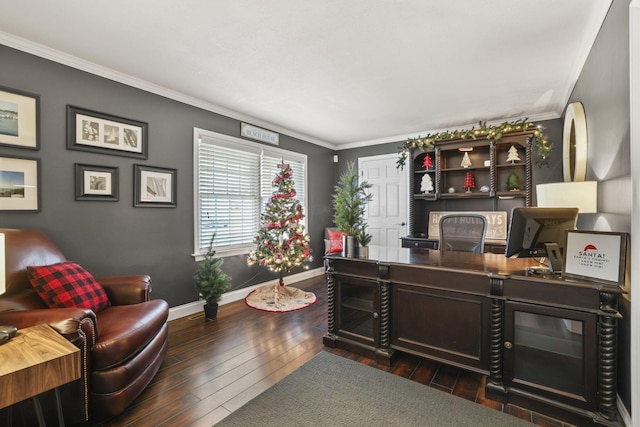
{"x":491,"y":170}
{"x":544,"y":342}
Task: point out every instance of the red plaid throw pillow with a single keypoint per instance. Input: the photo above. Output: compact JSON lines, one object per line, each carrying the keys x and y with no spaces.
{"x":68,"y":285}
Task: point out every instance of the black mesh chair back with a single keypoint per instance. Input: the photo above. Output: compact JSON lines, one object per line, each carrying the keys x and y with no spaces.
{"x":462,"y":232}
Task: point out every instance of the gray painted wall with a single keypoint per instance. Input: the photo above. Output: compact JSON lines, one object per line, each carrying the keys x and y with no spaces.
{"x":603,"y":90}
{"x":114,"y":238}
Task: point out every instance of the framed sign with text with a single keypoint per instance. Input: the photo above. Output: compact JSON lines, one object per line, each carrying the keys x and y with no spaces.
{"x":596,"y":255}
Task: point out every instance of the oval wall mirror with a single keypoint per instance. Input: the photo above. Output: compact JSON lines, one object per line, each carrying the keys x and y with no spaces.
{"x":574,"y":143}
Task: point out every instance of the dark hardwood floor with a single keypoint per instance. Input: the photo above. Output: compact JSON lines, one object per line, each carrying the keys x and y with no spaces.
{"x":214,"y":367}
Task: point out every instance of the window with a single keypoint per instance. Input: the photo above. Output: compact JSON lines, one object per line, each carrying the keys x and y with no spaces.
{"x":232,"y":183}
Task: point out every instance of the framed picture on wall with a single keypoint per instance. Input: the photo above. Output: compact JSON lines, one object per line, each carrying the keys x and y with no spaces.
{"x":19,"y":184}
{"x":103,"y":133}
{"x":97,"y":183}
{"x":19,"y":119}
{"x":154,"y":186}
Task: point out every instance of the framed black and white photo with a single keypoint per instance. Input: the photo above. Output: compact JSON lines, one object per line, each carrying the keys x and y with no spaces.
{"x":597,"y":255}
{"x":96,"y":183}
{"x":103,"y":133}
{"x":154,"y":186}
{"x":19,"y":184}
{"x":19,"y":119}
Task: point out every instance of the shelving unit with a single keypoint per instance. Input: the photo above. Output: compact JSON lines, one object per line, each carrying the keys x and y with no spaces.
{"x":491,"y":165}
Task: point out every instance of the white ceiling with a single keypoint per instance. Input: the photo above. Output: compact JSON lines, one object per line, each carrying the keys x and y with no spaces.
{"x":338,"y":73}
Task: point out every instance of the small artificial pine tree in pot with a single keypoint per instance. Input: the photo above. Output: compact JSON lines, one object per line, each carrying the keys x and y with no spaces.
{"x":211,"y":282}
{"x":363,"y":238}
{"x":349,"y":202}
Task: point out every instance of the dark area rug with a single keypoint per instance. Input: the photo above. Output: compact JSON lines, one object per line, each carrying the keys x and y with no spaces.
{"x":330,"y":390}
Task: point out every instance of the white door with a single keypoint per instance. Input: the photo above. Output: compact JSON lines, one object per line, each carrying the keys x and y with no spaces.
{"x":386,"y":214}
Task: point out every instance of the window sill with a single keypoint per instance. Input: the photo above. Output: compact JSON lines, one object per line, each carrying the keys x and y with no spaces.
{"x":224,"y":253}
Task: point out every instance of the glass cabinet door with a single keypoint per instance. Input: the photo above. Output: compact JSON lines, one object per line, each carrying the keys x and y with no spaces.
{"x":357,"y":313}
{"x":551,"y":351}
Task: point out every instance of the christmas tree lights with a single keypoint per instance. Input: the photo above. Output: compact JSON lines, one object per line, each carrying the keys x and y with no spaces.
{"x":282,"y":243}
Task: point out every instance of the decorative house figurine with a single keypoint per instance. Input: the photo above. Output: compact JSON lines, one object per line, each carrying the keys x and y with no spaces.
{"x":512,"y":155}
{"x":466,"y":161}
{"x":469,"y":182}
{"x":428,"y":163}
{"x":426,"y":186}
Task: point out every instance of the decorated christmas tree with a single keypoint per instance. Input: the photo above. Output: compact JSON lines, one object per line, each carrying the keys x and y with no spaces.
{"x":428,"y":163}
{"x":282,"y":243}
{"x":469,"y":182}
{"x":512,"y":155}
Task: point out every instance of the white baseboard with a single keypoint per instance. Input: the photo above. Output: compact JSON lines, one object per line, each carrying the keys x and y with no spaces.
{"x":195,"y":307}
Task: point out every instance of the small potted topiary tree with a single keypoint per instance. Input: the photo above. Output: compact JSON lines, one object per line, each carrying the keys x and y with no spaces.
{"x":211,"y":282}
{"x":363,"y":238}
{"x":349,"y":201}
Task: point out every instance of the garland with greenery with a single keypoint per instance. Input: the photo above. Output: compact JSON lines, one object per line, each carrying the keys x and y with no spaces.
{"x":538,"y":139}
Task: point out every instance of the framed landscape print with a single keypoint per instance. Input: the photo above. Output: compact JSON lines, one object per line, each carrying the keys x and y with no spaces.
{"x":96,"y":183}
{"x":154,"y":186}
{"x":19,"y":119}
{"x":19,"y":184}
{"x":103,"y":133}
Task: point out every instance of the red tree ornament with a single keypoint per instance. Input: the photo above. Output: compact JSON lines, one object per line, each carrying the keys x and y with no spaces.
{"x":428,"y":163}
{"x":469,"y":182}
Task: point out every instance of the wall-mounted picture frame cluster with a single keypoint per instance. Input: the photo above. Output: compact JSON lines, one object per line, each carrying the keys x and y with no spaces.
{"x":97,"y":132}
{"x":87,"y":130}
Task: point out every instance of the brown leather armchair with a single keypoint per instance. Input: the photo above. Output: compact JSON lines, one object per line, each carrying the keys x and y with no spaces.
{"x":122,"y":346}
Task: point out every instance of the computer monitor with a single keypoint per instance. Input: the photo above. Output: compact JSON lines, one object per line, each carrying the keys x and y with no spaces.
{"x":534,"y":232}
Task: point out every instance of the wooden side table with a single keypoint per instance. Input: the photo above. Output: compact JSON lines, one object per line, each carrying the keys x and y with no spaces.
{"x":37,"y":360}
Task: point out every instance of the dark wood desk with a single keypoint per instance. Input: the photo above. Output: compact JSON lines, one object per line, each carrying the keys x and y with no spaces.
{"x":544,"y":342}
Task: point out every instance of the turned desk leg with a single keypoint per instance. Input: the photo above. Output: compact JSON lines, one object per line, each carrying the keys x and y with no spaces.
{"x":330,"y":338}
{"x":496,"y":357}
{"x":607,"y":353}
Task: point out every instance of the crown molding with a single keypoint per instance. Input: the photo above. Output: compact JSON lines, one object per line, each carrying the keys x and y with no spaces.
{"x":110,"y":74}
{"x":402,"y":138}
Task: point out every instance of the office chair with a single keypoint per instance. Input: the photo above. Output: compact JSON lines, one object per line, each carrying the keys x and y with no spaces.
{"x":462,"y":232}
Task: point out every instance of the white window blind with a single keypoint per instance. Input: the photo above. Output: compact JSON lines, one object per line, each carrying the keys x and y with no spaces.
{"x":233,"y":181}
{"x":229,"y":197}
